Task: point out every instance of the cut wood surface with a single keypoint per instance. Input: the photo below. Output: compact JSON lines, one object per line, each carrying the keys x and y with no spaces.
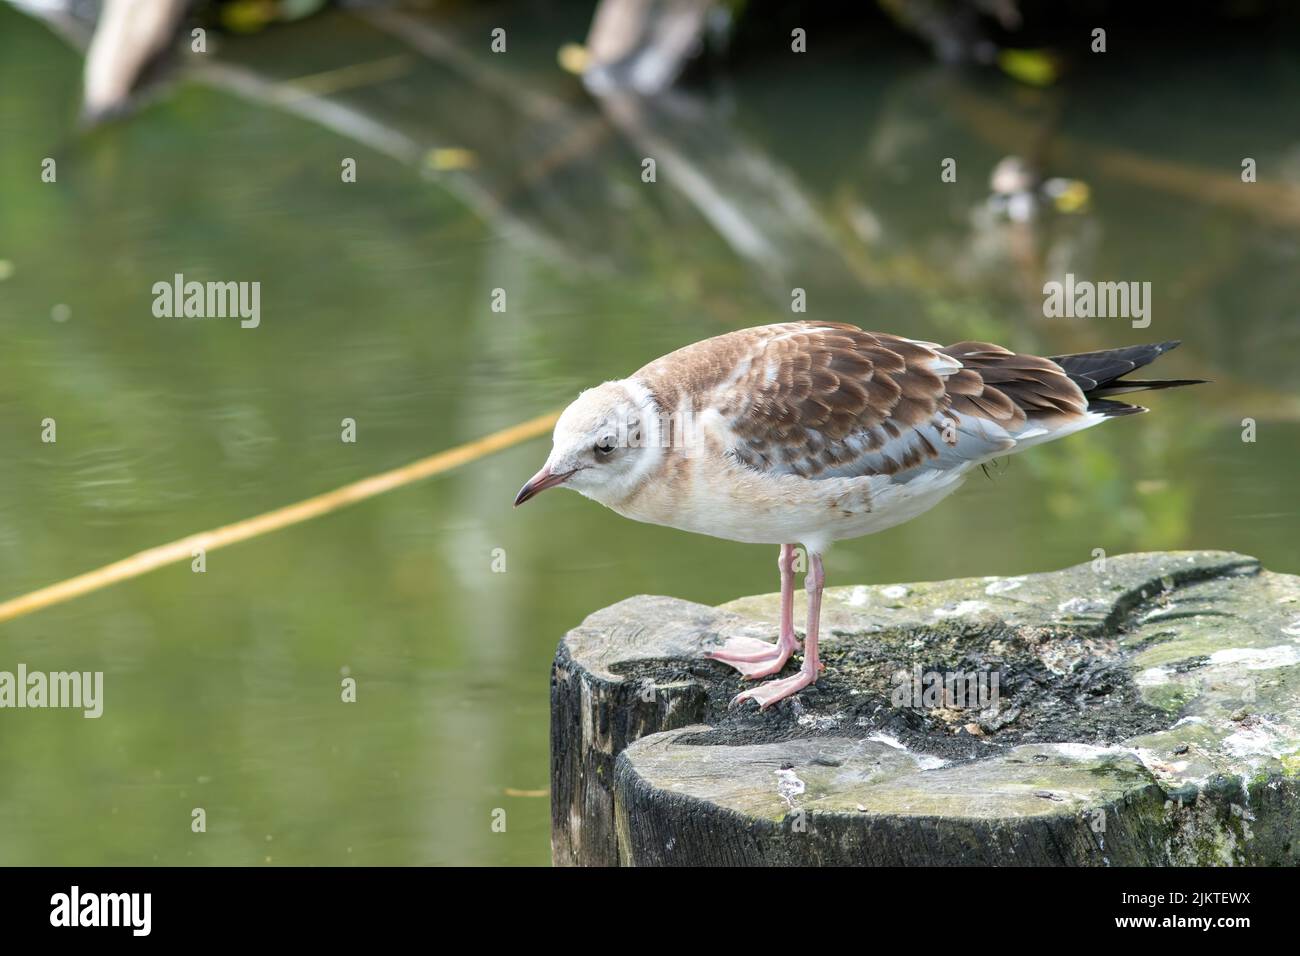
{"x":1147,"y":712}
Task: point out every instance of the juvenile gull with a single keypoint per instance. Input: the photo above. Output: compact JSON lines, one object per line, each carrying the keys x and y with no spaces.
{"x":809,"y":432}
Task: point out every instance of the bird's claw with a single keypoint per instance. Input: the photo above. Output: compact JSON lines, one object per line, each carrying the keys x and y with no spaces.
{"x":752,"y":657}
{"x":765,"y":695}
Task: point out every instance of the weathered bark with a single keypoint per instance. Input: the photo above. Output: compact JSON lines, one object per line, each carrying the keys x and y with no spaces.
{"x":1148,"y":712}
{"x":598,"y":707}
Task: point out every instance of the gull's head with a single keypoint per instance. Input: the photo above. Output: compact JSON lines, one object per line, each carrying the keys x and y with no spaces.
{"x":604,"y":444}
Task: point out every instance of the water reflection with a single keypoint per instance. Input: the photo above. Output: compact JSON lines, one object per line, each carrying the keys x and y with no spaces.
{"x":477,"y":173}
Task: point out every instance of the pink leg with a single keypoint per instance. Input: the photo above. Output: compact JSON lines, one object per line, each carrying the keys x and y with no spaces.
{"x":769,"y":693}
{"x":755,"y":658}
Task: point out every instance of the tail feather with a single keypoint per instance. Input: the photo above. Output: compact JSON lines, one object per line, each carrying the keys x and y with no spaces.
{"x":1136,"y":385}
{"x":1101,"y":374}
{"x":1114,"y":409}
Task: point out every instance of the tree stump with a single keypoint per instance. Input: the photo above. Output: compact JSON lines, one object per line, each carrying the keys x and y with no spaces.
{"x":1136,"y":710}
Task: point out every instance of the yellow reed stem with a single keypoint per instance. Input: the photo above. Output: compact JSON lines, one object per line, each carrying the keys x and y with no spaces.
{"x":183,"y":549}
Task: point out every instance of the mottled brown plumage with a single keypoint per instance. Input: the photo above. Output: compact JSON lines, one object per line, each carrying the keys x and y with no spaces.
{"x":818,"y":399}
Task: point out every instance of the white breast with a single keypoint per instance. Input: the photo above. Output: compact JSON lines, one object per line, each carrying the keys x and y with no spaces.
{"x":714,"y":495}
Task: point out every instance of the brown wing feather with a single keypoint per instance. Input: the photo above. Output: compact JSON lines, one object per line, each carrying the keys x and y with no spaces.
{"x":1037,"y":388}
{"x":830,"y":399}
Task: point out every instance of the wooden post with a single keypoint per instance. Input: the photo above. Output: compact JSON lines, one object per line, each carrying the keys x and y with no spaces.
{"x":1146,"y":711}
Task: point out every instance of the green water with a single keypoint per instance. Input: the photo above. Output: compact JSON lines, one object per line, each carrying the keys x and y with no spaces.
{"x":222,"y":689}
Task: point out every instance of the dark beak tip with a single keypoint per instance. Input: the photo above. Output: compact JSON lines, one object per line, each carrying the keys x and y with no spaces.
{"x":537,"y":484}
{"x":526,"y":493}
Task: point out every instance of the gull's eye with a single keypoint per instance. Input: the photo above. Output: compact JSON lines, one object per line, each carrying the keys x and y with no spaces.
{"x":605,"y":446}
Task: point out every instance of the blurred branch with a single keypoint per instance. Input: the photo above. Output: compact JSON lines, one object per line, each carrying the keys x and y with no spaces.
{"x":184,"y":549}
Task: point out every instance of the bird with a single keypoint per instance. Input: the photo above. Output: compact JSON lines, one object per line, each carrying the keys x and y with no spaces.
{"x":805,"y":433}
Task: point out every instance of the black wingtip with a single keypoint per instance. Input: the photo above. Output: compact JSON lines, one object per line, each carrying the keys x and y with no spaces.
{"x":1100,"y":374}
{"x":1140,"y":384}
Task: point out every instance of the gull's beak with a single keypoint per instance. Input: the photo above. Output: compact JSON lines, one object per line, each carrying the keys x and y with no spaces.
{"x":538,"y":483}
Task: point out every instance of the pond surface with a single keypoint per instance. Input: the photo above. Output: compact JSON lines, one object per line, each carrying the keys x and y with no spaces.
{"x":222,"y":689}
